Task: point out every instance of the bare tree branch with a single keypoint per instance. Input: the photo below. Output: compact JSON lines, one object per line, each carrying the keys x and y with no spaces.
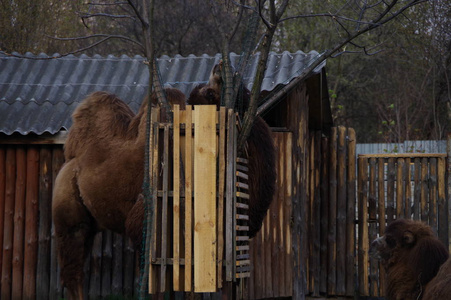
{"x":109,"y":36}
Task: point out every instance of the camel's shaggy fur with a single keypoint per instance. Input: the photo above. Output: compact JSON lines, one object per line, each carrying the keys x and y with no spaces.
{"x":261,"y":150}
{"x":101,"y":179}
{"x":412,"y":256}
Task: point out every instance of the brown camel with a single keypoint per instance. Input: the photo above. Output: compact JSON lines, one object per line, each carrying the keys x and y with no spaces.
{"x":412,"y":256}
{"x":101,"y":178}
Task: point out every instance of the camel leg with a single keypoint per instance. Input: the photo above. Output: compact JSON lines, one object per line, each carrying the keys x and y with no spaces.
{"x":74,"y":231}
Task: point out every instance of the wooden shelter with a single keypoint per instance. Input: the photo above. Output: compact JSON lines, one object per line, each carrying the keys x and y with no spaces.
{"x":298,"y":252}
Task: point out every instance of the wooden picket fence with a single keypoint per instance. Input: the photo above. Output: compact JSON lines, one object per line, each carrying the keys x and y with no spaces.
{"x":397,"y":186}
{"x":199,"y":230}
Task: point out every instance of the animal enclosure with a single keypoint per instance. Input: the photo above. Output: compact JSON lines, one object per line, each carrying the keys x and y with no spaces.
{"x":395,"y":186}
{"x":199,"y":228}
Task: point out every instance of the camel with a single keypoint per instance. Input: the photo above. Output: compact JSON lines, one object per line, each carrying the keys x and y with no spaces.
{"x":101,"y":179}
{"x":412,"y":256}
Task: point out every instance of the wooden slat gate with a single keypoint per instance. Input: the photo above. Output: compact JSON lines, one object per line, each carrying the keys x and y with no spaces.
{"x":397,"y":186}
{"x":199,"y":231}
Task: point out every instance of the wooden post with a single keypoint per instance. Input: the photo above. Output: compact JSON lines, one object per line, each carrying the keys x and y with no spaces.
{"x":441,"y":202}
{"x":205,"y":199}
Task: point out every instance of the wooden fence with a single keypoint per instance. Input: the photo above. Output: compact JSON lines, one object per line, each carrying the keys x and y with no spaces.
{"x":28,"y":260}
{"x":199,"y":230}
{"x":397,"y":186}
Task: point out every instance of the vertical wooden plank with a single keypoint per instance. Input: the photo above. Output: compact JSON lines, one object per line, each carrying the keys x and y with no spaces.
{"x":433,"y":193}
{"x":95,"y":271}
{"x":154,"y":156}
{"x":363,"y":227}
{"x":165,"y":238}
{"x":288,"y":213}
{"x":424,"y":190}
{"x":381,"y":214}
{"x":408,"y":189}
{"x":268,"y":291}
{"x":205,"y":199}
{"x":19,"y":223}
{"x":399,"y":188}
{"x":107,"y":260}
{"x":372,"y":225}
{"x":2,"y":199}
{"x":10,"y":189}
{"x":188,"y":198}
{"x":177,"y":283}
{"x":230,"y":194}
{"x":118,"y":268}
{"x":341,"y":212}
{"x":324,"y":222}
{"x":221,"y":190}
{"x":45,"y":223}
{"x":390,"y":190}
{"x":331,"y":287}
{"x":312,"y":254}
{"x":276,"y":215}
{"x":417,"y":189}
{"x":350,"y":214}
{"x":442,"y":207}
{"x":56,"y":291}
{"x":129,"y":272}
{"x":31,"y":225}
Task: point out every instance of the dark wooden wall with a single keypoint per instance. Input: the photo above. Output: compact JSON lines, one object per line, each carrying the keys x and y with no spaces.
{"x":29,"y":267}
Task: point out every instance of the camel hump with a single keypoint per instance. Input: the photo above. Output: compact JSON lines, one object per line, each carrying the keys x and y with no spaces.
{"x":99,"y":117}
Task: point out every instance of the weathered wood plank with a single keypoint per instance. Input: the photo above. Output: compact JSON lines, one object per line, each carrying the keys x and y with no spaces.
{"x":372,"y":209}
{"x":31,"y":224}
{"x":45,"y":223}
{"x":188,"y":199}
{"x":19,"y":223}
{"x":381,"y":215}
{"x":56,"y":291}
{"x":176,"y":275}
{"x":288,"y":269}
{"x":433,"y":194}
{"x":391,"y":190}
{"x":230,"y":195}
{"x":165,"y":238}
{"x":424,"y":190}
{"x":8,"y":233}
{"x":2,"y":199}
{"x":341,"y":212}
{"x":221,"y":192}
{"x":417,"y":189}
{"x":400,"y":188}
{"x":205,"y":199}
{"x":332,"y":236}
{"x":107,"y":263}
{"x":324,"y":222}
{"x":350,"y":214}
{"x":408,"y":188}
{"x":118,"y":268}
{"x":441,"y":202}
{"x":363,"y":227}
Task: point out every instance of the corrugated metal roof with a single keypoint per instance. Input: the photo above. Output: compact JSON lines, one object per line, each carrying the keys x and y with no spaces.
{"x":38,"y":95}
